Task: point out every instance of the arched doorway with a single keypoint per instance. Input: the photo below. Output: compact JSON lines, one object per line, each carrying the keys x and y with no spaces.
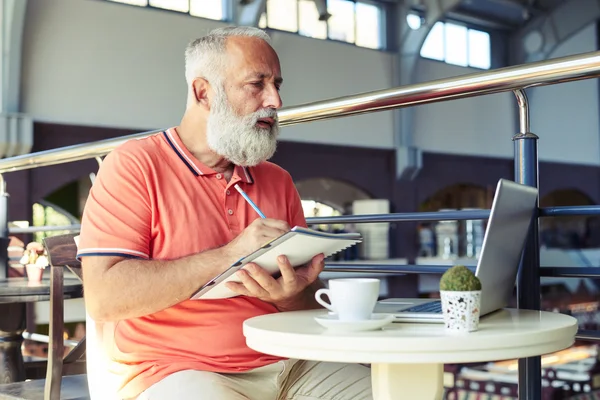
{"x":454,"y":239}
{"x":326,"y":197}
{"x":337,"y":194}
{"x":459,"y":196}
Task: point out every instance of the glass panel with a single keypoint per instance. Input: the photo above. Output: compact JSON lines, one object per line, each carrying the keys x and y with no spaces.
{"x":433,"y":47}
{"x":212,"y":9}
{"x":283,"y":15}
{"x":175,"y":5}
{"x":368,"y":18}
{"x":141,"y":3}
{"x":480,"y":52}
{"x":309,"y":20}
{"x":456,"y":45}
{"x":262,"y":22}
{"x":341,"y":23}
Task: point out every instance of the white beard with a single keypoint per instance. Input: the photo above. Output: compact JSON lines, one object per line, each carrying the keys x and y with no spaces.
{"x":238,"y":139}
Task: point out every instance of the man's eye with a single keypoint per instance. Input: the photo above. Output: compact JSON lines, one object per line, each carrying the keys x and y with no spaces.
{"x":257,"y":84}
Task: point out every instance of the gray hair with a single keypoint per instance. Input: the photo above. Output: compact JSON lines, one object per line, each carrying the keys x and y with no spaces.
{"x":204,"y":57}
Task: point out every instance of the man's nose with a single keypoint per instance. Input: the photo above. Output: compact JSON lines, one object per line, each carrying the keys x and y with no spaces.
{"x":272,"y":98}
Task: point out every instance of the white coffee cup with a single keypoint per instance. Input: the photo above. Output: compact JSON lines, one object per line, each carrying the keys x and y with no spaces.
{"x":352,"y":299}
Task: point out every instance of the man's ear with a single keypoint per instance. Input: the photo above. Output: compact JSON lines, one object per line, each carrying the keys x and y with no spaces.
{"x":200,"y":88}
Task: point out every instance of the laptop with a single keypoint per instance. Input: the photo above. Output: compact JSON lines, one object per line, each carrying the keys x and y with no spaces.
{"x":510,"y":217}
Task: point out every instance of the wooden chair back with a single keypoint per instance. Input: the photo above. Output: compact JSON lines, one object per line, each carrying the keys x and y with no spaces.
{"x":62,"y":252}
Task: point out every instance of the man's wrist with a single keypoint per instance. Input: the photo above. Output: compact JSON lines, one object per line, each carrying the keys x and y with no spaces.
{"x":296,"y":303}
{"x":305,"y":300}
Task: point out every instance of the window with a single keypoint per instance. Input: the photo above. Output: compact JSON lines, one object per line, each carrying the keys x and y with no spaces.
{"x":455,"y":45}
{"x":341,"y":23}
{"x":282,"y":15}
{"x":433,"y":47}
{"x":458,"y":45}
{"x":351,"y":22}
{"x":175,"y":5}
{"x":479,"y":49}
{"x":368,"y":26}
{"x":262,"y":22}
{"x":308,"y":21}
{"x":212,"y":9}
{"x":141,"y":3}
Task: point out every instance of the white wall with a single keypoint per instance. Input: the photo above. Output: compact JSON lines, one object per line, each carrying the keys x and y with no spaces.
{"x":565,"y":116}
{"x":97,"y":63}
{"x":480,"y":126}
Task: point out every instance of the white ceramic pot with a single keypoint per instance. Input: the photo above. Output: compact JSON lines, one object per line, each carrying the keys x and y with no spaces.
{"x":461,"y":310}
{"x":34,"y":273}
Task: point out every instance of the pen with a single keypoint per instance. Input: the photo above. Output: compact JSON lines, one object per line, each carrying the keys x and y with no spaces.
{"x":245,"y":196}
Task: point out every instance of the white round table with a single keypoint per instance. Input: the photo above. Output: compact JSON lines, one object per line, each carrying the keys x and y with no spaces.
{"x":407,"y":359}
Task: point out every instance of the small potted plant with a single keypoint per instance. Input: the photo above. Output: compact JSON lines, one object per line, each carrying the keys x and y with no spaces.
{"x":460,"y":292}
{"x":35,"y":261}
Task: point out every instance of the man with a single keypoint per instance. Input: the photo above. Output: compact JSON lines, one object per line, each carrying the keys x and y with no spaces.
{"x":163,"y":218}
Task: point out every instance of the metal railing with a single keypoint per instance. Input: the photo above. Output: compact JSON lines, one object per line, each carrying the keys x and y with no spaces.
{"x":516,"y":79}
{"x":550,"y":72}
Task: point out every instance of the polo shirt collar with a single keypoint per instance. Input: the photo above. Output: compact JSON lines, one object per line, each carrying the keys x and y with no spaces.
{"x":196,"y":167}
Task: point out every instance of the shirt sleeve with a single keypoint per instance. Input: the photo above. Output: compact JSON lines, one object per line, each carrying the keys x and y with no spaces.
{"x":117,"y":215}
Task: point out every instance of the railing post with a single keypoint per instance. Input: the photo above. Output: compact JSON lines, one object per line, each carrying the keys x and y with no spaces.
{"x":4,"y":239}
{"x":528,"y":282}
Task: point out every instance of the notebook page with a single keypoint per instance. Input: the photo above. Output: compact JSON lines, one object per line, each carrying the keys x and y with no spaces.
{"x":300,"y":248}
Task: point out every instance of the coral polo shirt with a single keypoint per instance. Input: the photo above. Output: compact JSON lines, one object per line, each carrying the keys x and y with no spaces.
{"x":152,"y":199}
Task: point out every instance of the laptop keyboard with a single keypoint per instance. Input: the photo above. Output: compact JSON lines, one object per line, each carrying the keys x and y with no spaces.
{"x":434,"y":307}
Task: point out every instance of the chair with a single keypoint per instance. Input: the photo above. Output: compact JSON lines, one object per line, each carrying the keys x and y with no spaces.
{"x":62,"y":251}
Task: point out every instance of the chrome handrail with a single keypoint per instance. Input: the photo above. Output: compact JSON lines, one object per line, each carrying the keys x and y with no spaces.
{"x":48,"y":228}
{"x":549,"y":72}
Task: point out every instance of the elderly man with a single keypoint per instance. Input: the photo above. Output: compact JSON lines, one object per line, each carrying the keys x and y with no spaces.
{"x":163,"y":218}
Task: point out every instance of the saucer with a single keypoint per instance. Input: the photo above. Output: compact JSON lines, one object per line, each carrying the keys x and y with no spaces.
{"x":377,"y":321}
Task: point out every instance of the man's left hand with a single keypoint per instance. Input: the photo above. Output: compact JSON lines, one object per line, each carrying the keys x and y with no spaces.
{"x":285,"y":292}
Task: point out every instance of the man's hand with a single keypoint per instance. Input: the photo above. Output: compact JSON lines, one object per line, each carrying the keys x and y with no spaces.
{"x":257,"y":234}
{"x":286,"y":292}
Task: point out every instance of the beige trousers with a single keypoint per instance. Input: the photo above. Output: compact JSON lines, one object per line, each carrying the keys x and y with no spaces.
{"x":284,"y":380}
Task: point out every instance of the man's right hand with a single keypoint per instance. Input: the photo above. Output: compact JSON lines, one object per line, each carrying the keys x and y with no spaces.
{"x":257,"y":234}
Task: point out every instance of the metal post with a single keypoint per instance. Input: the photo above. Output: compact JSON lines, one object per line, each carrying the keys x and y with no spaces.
{"x":4,"y":239}
{"x":528,"y":283}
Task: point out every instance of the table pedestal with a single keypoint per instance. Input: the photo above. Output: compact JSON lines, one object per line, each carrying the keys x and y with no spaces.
{"x":407,"y":381}
{"x":12,"y":325}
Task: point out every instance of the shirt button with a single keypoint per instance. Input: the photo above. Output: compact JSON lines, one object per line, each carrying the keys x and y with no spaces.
{"x":230,"y":211}
{"x":228,"y":192}
{"x":219,"y":176}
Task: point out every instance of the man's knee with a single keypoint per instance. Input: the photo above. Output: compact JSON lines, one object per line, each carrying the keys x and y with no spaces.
{"x":324,"y":380}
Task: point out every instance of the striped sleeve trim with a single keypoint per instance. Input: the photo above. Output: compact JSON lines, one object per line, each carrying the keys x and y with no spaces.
{"x":107,"y":251}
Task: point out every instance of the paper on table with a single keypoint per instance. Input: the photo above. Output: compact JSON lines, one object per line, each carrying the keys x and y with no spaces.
{"x":300,"y":245}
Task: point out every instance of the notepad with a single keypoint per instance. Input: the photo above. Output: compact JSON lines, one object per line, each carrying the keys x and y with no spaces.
{"x":300,"y":245}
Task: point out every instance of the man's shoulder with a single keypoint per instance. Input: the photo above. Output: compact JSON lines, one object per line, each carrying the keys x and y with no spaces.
{"x":267,"y":168}
{"x":137,"y":151}
{"x":139,"y":146}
